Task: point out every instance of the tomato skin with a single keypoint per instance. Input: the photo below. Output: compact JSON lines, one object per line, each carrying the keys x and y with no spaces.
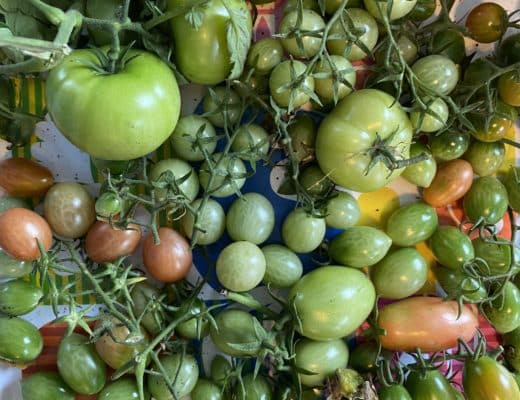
{"x":453,"y":280}
{"x":324,"y":87}
{"x":220,"y":369}
{"x":511,"y":343}
{"x":20,"y":231}
{"x":282,"y":74}
{"x":196,"y":327}
{"x":187,"y":130}
{"x":212,"y":221}
{"x":19,"y":297}
{"x":264,"y":55}
{"x":428,"y":323}
{"x":20,"y":341}
{"x":503,"y":313}
{"x":206,"y":390}
{"x":449,"y":43}
{"x":197,"y":49}
{"x":436,"y":73}
{"x":449,"y":145}
{"x":485,"y":378}
{"x":310,"y":21}
{"x":485,"y":157}
{"x":487,"y":22}
{"x":342,"y":211}
{"x":170,"y":260}
{"x":512,"y":184}
{"x":122,"y":389}
{"x":152,"y":319}
{"x":105,"y":244}
{"x":13,"y":268}
{"x":73,"y":351}
{"x":498,"y":125}
{"x":326,"y":302}
{"x":180,"y":169}
{"x":7,"y":202}
{"x":117,"y":125}
{"x":302,"y":132}
{"x":24,"y":178}
{"x":182,"y":369}
{"x":399,"y":9}
{"x":497,"y":255}
{"x":251,"y":138}
{"x":432,"y":385}
{"x":301,"y":232}
{"x":394,"y":392}
{"x":452,"y":181}
{"x":451,"y":247}
{"x":411,"y":224}
{"x":423,"y":121}
{"x":348,"y":131}
{"x":509,"y":88}
{"x":45,"y":386}
{"x":421,"y":173}
{"x":508,"y":51}
{"x":230,"y":176}
{"x":283,"y":268}
{"x":486,"y":200}
{"x":254,"y":388}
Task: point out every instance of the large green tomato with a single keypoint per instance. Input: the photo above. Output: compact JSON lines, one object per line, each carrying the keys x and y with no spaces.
{"x":352,"y":129}
{"x":202,"y":53}
{"x":331,"y":302}
{"x":114,"y":116}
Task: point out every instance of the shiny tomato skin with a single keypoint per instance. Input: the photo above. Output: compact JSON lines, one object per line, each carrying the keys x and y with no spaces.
{"x":45,"y":386}
{"x":170,"y":260}
{"x":487,"y":22}
{"x":411,"y":224}
{"x":24,"y":178}
{"x":486,"y":200}
{"x":12,"y":268}
{"x":511,"y":343}
{"x":20,"y":341}
{"x":19,"y":297}
{"x":512,"y":184}
{"x":105,"y":244}
{"x":503,"y":313}
{"x":184,"y":372}
{"x":20,"y":231}
{"x":430,"y":385}
{"x":509,"y":88}
{"x":122,"y":389}
{"x":428,"y":323}
{"x":394,"y":392}
{"x":451,"y":247}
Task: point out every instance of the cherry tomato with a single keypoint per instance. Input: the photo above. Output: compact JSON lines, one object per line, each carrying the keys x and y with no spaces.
{"x":251,"y":142}
{"x":264,"y":55}
{"x":45,"y":386}
{"x":508,"y":51}
{"x":229,"y":178}
{"x":512,"y":184}
{"x":12,"y":268}
{"x":7,"y":202}
{"x":196,"y":327}
{"x":286,"y":72}
{"x":330,"y":75}
{"x":422,"y":10}
{"x":436,"y":73}
{"x":105,"y":244}
{"x":411,"y":224}
{"x":20,"y":341}
{"x":19,"y":297}
{"x":449,"y":145}
{"x":487,"y":22}
{"x":342,"y":211}
{"x":399,"y":8}
{"x":220,"y":105}
{"x":188,"y":129}
{"x":429,"y":385}
{"x":206,"y":390}
{"x":455,"y":283}
{"x":283,"y":268}
{"x":220,"y":369}
{"x":146,"y":305}
{"x":182,"y":370}
{"x":171,"y":259}
{"x":503,"y":313}
{"x":486,"y":200}
{"x":427,"y":323}
{"x":423,"y":121}
{"x":186,"y":180}
{"x":307,"y":46}
{"x":485,"y":157}
{"x":497,"y":254}
{"x":302,"y":132}
{"x":211,"y":221}
{"x":122,"y":389}
{"x":394,"y":392}
{"x":511,"y":343}
{"x":365,"y":356}
{"x":495,"y":126}
{"x":449,"y":43}
{"x":24,"y":178}
{"x":301,"y":232}
{"x":314,"y":181}
{"x":423,"y":172}
{"x":509,"y":88}
{"x":451,"y":247}
{"x":20,"y":231}
{"x":255,"y":388}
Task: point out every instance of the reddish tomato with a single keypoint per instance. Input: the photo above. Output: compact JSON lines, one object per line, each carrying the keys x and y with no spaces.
{"x":487,"y":22}
{"x":24,"y":178}
{"x":452,"y":180}
{"x":105,"y":244}
{"x":170,"y":260}
{"x":428,"y":323}
{"x":20,"y":230}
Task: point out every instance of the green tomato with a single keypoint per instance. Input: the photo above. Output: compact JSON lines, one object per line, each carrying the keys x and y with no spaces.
{"x":302,"y":132}
{"x":20,"y":341}
{"x":106,"y":10}
{"x":250,"y":218}
{"x":394,"y":392}
{"x":202,"y":52}
{"x":436,"y":73}
{"x":400,"y":274}
{"x":330,"y":75}
{"x":283,"y":268}
{"x":264,"y":55}
{"x":449,"y":43}
{"x":229,"y":176}
{"x":486,"y":200}
{"x":429,"y":385}
{"x":76,"y":350}
{"x":308,"y":21}
{"x":455,"y":283}
{"x":222,"y":105}
{"x":423,"y":10}
{"x":240,"y":266}
{"x":511,"y":343}
{"x":314,"y":181}
{"x":284,"y":73}
{"x":364,"y":27}
{"x":114,"y":116}
{"x":503,"y":313}
{"x":331,"y":302}
{"x":322,"y":359}
{"x":211,"y":222}
{"x":508,"y":51}
{"x":122,"y":389}
{"x":366,"y":356}
{"x":206,"y":390}
{"x":12,"y":268}
{"x":485,"y":158}
{"x":108,"y":205}
{"x":254,"y":388}
{"x":360,"y":246}
{"x":182,"y":370}
{"x":220,"y":369}
{"x":332,"y":5}
{"x":180,"y":174}
{"x":490,"y":127}
{"x":497,"y":255}
{"x":379,"y":9}
{"x":301,"y":232}
{"x":423,"y":121}
{"x":19,"y":297}
{"x":512,"y":185}
{"x":351,"y":129}
{"x":342,"y":211}
{"x":146,"y":305}
{"x":451,"y":247}
{"x":196,"y":327}
{"x":188,"y":130}
{"x":291,"y":5}
{"x":411,"y":224}
{"x":423,"y":172}
{"x":449,"y":145}
{"x":46,"y":386}
{"x":251,"y":138}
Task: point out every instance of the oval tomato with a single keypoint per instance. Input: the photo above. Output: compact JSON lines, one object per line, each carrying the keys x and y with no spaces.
{"x":486,"y":200}
{"x":325,"y":302}
{"x":211,"y":222}
{"x":105,"y":244}
{"x":485,"y":157}
{"x":427,"y":323}
{"x":487,"y":22}
{"x":45,"y":386}
{"x":429,"y":385}
{"x":122,"y":389}
{"x":411,"y":224}
{"x":342,"y":211}
{"x":421,"y":173}
{"x":451,"y":247}
{"x":105,"y":114}
{"x":283,"y":268}
{"x":13,"y":268}
{"x":503,"y":313}
{"x":20,"y":341}
{"x":182,"y":369}
{"x":512,"y":184}
{"x":352,"y":129}
{"x":24,"y":178}
{"x":19,"y":297}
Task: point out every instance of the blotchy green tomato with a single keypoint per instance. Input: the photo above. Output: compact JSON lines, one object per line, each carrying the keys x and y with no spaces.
{"x":184,"y":175}
{"x":302,"y":132}
{"x":206,"y":390}
{"x":196,"y":327}
{"x":122,"y":389}
{"x":497,"y":255}
{"x":240,"y":266}
{"x":329,"y":77}
{"x":503,"y":313}
{"x":183,"y":371}
{"x":251,"y":138}
{"x":411,"y":224}
{"x":308,"y":21}
{"x":320,"y":358}
{"x":284,"y":73}
{"x":436,"y":73}
{"x":301,"y":232}
{"x":399,"y":8}
{"x":221,"y":104}
{"x":46,"y":386}
{"x":220,"y":369}
{"x":250,"y":218}
{"x":19,"y":297}
{"x":400,"y":274}
{"x":264,"y":55}
{"x":455,"y":283}
{"x":229,"y":178}
{"x":512,"y":184}
{"x":108,"y":205}
{"x":80,"y":366}
{"x":485,"y":158}
{"x":314,"y":181}
{"x":20,"y":341}
{"x":211,"y":221}
{"x":146,"y":304}
{"x":13,"y":268}
{"x":327,"y":302}
{"x":433,"y":118}
{"x":342,"y":211}
{"x":449,"y":43}
{"x":394,"y":392}
{"x":511,"y":343}
{"x":449,"y":145}
{"x":283,"y":268}
{"x":105,"y":114}
{"x":490,"y":127}
{"x":485,"y":378}
{"x":486,"y":200}
{"x":421,"y":173}
{"x":202,"y":53}
{"x":234,"y":327}
{"x":254,"y":388}
{"x":188,"y":129}
{"x":430,"y":385}
{"x":360,"y":246}
{"x":364,"y":27}
{"x":451,"y":247}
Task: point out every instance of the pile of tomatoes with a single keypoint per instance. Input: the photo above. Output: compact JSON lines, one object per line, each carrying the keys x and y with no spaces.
{"x":346,"y":97}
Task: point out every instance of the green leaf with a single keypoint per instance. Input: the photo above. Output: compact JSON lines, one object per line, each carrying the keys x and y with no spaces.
{"x":238,"y":37}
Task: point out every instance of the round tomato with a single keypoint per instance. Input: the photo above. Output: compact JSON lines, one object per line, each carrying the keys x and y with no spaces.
{"x":423,"y":10}
{"x":398,"y":9}
{"x":13,"y":268}
{"x":508,"y":51}
{"x":24,"y":178}
{"x":509,"y":88}
{"x":429,"y":385}
{"x":283,"y":268}
{"x":175,"y":176}
{"x":222,"y":106}
{"x":449,"y":43}
{"x":436,"y":73}
{"x":452,"y":181}
{"x":394,"y":392}
{"x":264,"y":55}
{"x":196,"y":327}
{"x":314,"y":181}
{"x":251,"y":141}
{"x":433,"y":118}
{"x":497,"y":254}
{"x":220,"y":370}
{"x":105,"y":244}
{"x":352,"y":134}
{"x":342,"y":211}
{"x":45,"y":386}
{"x":455,"y":283}
{"x":206,"y":390}
{"x":490,"y":127}
{"x":486,"y":200}
{"x":230,"y":172}
{"x":306,"y":46}
{"x":122,"y":389}
{"x":146,"y":305}
{"x":366,"y":356}
{"x":104,"y":114}
{"x":211,"y":222}
{"x":512,"y":184}
{"x":20,"y":341}
{"x":331,"y":302}
{"x":284,"y":73}
{"x":334,"y":78}
{"x":254,"y":388}
{"x":302,"y":132}
{"x":487,"y":22}
{"x":449,"y":145}
{"x":302,"y":232}
{"x":411,"y":224}
{"x":188,"y":129}
{"x":485,"y":157}
{"x":511,"y":342}
{"x":503,"y":313}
